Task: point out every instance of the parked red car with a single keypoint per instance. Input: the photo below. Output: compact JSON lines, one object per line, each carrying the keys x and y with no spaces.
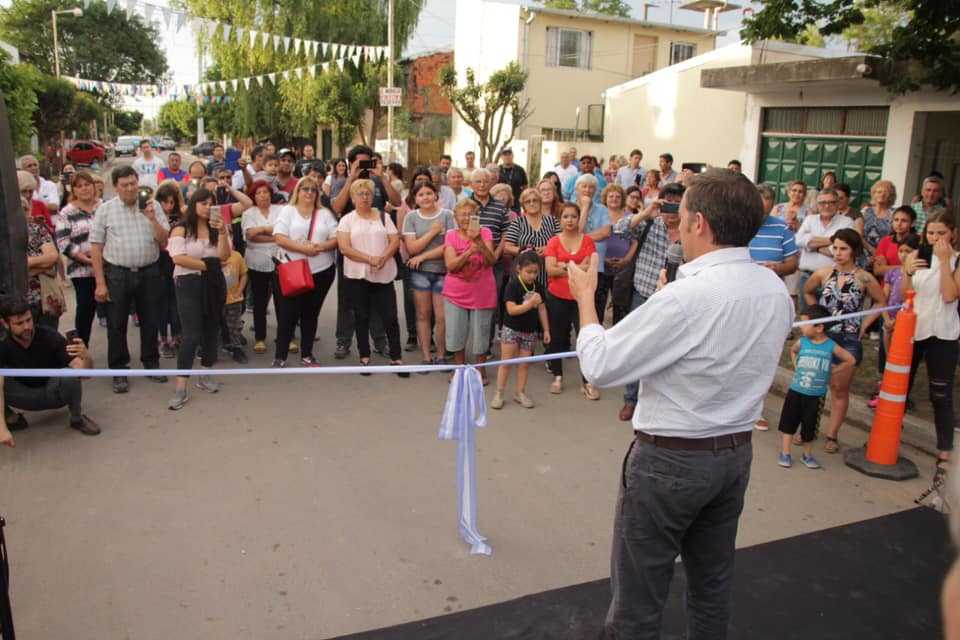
{"x":86,"y":152}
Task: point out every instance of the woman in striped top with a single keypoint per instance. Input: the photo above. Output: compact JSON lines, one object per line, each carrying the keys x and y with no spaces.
{"x":73,"y":241}
{"x":531,"y":231}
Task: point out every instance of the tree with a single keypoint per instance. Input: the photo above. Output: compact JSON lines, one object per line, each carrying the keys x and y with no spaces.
{"x":21,"y":101}
{"x":610,"y":7}
{"x":278,"y":112}
{"x":921,"y":42}
{"x":492,"y":109}
{"x":127,"y":121}
{"x":178,"y":119}
{"x":338,"y":105}
{"x":96,"y":45}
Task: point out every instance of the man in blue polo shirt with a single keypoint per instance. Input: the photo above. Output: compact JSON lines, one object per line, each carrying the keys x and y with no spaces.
{"x":774,"y":246}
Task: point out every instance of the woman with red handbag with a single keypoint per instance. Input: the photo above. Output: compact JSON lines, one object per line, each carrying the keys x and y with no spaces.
{"x":305,"y":233}
{"x":368,"y":240}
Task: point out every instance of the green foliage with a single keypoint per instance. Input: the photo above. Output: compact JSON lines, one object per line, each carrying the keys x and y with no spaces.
{"x":178,"y":119}
{"x":288,"y":110}
{"x":96,"y":45}
{"x":339,"y":105}
{"x":16,"y":83}
{"x":919,"y":36}
{"x":127,"y":122}
{"x":492,"y":108}
{"x":218,"y":118}
{"x":609,"y":7}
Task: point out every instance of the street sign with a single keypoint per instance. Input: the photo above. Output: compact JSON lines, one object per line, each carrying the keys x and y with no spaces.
{"x":391,"y":96}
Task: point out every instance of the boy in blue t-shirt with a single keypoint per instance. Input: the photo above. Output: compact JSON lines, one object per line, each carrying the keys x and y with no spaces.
{"x":814,"y":356}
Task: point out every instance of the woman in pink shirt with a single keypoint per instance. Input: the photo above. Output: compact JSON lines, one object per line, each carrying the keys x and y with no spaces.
{"x":368,"y":240}
{"x":469,"y":290}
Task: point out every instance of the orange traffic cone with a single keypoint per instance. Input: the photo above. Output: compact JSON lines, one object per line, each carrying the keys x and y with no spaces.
{"x":881,"y":457}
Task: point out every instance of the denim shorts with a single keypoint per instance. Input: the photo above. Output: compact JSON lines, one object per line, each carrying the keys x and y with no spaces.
{"x":525,"y":340}
{"x":851,"y":343}
{"x":426,"y":281}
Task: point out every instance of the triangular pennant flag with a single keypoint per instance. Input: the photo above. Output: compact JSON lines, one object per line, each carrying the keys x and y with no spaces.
{"x":211,"y":26}
{"x":223,"y":86}
{"x":325,"y":67}
{"x":340,"y":63}
{"x":196,"y":25}
{"x":253,"y":37}
{"x":131,"y":4}
{"x":286,"y":44}
{"x":265,"y":39}
{"x":297,"y":45}
{"x":110,"y":5}
{"x":313,"y":70}
{"x":246,"y":83}
{"x":86,"y":4}
{"x":165,"y":13}
{"x":312,"y":49}
{"x":181,"y":20}
{"x":324,"y":48}
{"x":276,"y":43}
{"x":273,"y":78}
{"x":299,"y":72}
{"x":226,"y":32}
{"x":239,"y":31}
{"x":334,"y":48}
{"x":148,"y":12}
{"x":286,"y":74}
{"x":236,"y":84}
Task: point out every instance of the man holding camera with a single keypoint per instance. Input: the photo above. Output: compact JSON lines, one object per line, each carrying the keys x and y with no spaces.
{"x":705,"y":348}
{"x":28,"y":346}
{"x":125,"y":242}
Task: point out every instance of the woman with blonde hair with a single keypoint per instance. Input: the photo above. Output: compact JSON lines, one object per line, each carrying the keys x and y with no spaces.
{"x":503,"y":194}
{"x":368,"y":240}
{"x":533,"y":230}
{"x":304,"y":230}
{"x":876,"y":219}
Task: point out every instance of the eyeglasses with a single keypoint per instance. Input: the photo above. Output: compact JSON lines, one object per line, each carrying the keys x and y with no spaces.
{"x":310,"y":189}
{"x":531,"y":201}
{"x":827,"y":203}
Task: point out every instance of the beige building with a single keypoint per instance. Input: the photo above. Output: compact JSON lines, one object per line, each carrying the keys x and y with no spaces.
{"x":571,"y":59}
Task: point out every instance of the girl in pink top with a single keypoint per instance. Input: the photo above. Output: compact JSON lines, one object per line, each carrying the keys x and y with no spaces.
{"x":469,"y":290}
{"x":368,"y":240}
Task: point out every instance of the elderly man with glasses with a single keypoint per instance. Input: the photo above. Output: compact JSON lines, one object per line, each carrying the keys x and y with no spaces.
{"x":814,"y":236}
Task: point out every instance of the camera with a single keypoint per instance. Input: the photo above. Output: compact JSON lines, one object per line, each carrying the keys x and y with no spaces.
{"x":670,"y":207}
{"x":143,"y":196}
{"x":368,"y":164}
{"x":222,"y":195}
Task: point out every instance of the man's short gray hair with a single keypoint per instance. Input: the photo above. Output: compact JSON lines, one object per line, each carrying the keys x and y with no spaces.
{"x":767,"y":192}
{"x":588,"y":179}
{"x":933,"y":180}
{"x":480,"y":173}
{"x":26,"y":157}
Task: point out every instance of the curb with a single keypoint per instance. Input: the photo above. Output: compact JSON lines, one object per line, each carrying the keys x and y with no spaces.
{"x":917,"y":433}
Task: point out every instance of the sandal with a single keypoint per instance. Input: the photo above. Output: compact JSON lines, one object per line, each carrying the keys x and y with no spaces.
{"x":365,"y":364}
{"x":940,"y":470}
{"x":832,"y":446}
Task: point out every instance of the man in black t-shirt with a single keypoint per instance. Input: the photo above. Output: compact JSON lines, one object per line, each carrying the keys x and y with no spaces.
{"x":513,"y":175}
{"x":29,"y":347}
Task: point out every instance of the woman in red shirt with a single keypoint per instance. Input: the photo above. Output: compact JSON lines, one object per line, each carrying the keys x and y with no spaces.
{"x":570,"y":245}
{"x":887,"y":249}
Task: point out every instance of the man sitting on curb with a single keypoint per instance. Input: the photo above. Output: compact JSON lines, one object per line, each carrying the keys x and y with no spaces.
{"x":30,"y":347}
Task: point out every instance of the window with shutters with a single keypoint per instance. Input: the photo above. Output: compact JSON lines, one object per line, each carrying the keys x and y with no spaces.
{"x":680,"y":51}
{"x":568,"y":48}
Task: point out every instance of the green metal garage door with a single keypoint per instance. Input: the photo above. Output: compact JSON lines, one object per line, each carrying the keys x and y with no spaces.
{"x":856,"y":161}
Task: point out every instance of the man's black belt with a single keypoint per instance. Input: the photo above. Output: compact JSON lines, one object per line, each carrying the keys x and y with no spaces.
{"x":730,"y":441}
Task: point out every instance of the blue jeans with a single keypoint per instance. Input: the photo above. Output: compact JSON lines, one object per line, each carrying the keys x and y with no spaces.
{"x":672,"y":503}
{"x":630,"y":395}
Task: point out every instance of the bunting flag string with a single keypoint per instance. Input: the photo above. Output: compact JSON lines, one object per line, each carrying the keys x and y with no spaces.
{"x":230,"y":33}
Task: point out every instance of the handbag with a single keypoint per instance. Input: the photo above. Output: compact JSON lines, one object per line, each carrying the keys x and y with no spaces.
{"x":294,"y":275}
{"x":52,"y":301}
{"x":397,"y":258}
{"x":622,"y":294}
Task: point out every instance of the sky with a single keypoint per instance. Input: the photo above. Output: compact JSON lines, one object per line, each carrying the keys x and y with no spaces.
{"x":434,"y":31}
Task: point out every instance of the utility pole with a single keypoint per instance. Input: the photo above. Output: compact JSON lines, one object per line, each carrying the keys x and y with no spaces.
{"x":390,"y":157}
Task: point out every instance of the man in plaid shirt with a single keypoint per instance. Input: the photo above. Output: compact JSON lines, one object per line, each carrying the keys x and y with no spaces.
{"x":661,"y":230}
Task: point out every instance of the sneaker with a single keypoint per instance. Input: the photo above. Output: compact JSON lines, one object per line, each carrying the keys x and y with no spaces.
{"x":166,"y":351}
{"x":523,"y":400}
{"x":239,"y":356}
{"x":86,"y":426}
{"x":293,"y":348}
{"x":208,"y":384}
{"x":158,"y":379}
{"x":784,"y":460}
{"x":762,"y":425}
{"x":278,"y":364}
{"x":260,"y":347}
{"x":121,"y":384}
{"x":342,"y":351}
{"x":310,"y":361}
{"x":497,"y":402}
{"x":810,"y":462}
{"x":178,"y":400}
{"x":411,"y":344}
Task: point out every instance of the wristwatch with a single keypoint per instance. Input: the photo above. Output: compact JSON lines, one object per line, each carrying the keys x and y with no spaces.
{"x":565,"y":266}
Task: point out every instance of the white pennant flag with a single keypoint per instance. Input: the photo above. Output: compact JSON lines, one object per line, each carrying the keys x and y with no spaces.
{"x":312,"y":69}
{"x":86,"y":4}
{"x":286,"y":44}
{"x":276,"y":43}
{"x":110,"y":5}
{"x":299,"y":72}
{"x":227,"y":29}
{"x":236,"y":84}
{"x":264,"y":39}
{"x":340,"y":63}
{"x":254,"y":34}
{"x":334,"y":49}
{"x":246,"y":83}
{"x":223,"y":86}
{"x":148,"y":12}
{"x":356,"y":60}
{"x":196,"y":25}
{"x":181,"y":20}
{"x":165,"y":12}
{"x":239,"y":31}
{"x":211,"y":29}
{"x":273,"y":78}
{"x":312,"y":49}
{"x":297,"y":45}
{"x":324,"y":48}
{"x":325,"y":67}
{"x":131,"y":4}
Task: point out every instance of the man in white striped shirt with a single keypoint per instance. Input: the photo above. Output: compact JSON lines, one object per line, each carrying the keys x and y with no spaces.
{"x":705,"y":349}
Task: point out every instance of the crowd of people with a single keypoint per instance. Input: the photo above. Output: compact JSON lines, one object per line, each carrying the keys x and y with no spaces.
{"x":481,"y":255}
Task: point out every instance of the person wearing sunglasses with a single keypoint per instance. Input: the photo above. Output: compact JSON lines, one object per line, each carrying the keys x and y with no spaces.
{"x":304,"y":230}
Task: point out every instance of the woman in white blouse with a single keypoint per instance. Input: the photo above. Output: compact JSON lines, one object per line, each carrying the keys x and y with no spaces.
{"x":305,"y":230}
{"x":938,"y":326}
{"x":257,"y":224}
{"x":197,"y":246}
{"x":368,"y":240}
